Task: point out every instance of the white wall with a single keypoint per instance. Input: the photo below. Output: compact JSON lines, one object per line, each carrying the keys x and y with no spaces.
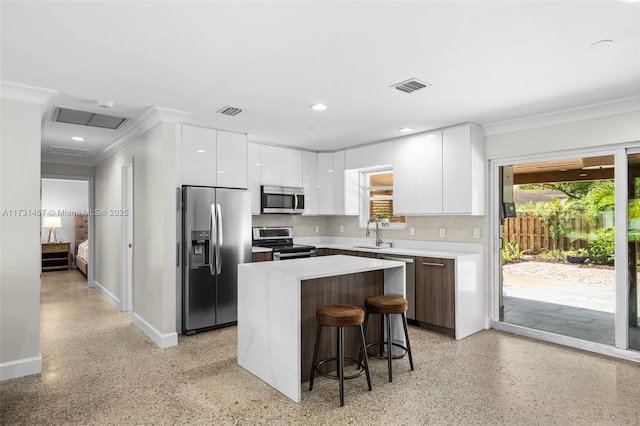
{"x":63,"y":195}
{"x":595,"y":132}
{"x":67,"y":169}
{"x":154,"y":221}
{"x":19,"y":239}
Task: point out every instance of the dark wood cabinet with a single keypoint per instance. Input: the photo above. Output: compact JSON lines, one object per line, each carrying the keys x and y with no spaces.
{"x":435,"y":294}
{"x":266,"y":256}
{"x":56,"y":256}
{"x":331,"y":252}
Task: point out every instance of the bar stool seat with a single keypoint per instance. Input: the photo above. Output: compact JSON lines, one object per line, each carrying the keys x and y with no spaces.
{"x":340,"y":316}
{"x":387,"y":305}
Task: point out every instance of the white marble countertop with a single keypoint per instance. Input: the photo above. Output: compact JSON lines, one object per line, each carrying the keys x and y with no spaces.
{"x":324,"y":266}
{"x":399,"y":251}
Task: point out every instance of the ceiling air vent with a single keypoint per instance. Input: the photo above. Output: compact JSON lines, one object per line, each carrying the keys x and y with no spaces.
{"x":229,"y":110}
{"x":411,"y":85}
{"x":87,"y":118}
{"x":67,"y":151}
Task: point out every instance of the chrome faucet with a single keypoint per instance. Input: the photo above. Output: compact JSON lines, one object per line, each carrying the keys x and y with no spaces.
{"x":377,"y":231}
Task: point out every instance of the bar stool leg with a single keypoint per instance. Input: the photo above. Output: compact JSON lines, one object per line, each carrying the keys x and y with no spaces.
{"x":381,"y":346}
{"x":363,"y":355}
{"x":315,"y":357}
{"x":389,"y":346}
{"x":406,"y":336}
{"x":341,"y":364}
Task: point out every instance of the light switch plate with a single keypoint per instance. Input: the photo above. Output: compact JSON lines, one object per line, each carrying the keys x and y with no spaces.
{"x":476,"y":232}
{"x":443,"y":232}
{"x":412,"y":230}
{"x":317,"y":229}
{"x":341,"y":228}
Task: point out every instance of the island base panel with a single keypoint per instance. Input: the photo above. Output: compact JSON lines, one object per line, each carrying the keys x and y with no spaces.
{"x":349,"y":289}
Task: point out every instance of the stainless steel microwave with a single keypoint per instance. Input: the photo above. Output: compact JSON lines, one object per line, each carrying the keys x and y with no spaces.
{"x":282,"y":200}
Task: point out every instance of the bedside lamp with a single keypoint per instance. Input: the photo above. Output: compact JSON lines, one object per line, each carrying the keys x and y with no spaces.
{"x":52,"y":223}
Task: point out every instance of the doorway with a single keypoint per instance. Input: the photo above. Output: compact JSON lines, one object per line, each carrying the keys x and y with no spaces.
{"x":557,"y":271}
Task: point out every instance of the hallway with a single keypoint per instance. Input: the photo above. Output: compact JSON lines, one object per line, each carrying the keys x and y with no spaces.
{"x":98,"y":368}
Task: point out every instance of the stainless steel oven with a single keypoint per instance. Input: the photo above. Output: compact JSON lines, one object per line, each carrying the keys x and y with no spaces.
{"x":280,"y":240}
{"x":282,"y":200}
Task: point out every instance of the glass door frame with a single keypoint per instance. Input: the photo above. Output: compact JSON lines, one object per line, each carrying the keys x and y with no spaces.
{"x":621,"y":329}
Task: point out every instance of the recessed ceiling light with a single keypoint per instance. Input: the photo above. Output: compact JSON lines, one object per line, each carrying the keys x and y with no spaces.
{"x":77,"y":138}
{"x":602,"y":44}
{"x":200,"y":151}
{"x":406,"y":129}
{"x":319,"y":107}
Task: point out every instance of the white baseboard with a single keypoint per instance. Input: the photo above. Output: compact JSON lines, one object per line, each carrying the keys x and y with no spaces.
{"x":21,"y":367}
{"x":107,"y":294}
{"x":162,"y":340}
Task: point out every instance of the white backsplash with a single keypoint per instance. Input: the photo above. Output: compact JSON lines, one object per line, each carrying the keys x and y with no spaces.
{"x":458,"y":228}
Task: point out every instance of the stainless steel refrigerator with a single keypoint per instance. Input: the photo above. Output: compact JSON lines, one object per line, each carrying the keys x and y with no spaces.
{"x":216,"y":225}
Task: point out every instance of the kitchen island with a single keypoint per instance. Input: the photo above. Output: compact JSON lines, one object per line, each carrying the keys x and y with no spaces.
{"x":276,"y":312}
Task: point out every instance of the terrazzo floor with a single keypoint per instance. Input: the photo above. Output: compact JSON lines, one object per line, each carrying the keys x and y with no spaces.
{"x":99,"y":369}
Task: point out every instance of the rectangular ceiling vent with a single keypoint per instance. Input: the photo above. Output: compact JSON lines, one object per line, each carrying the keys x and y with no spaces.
{"x":411,"y":85}
{"x":229,"y":110}
{"x":67,"y":151}
{"x":87,"y":118}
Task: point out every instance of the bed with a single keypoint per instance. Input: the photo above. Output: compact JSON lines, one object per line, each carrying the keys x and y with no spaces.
{"x":81,"y":240}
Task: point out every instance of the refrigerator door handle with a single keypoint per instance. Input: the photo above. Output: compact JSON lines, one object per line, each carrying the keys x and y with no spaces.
{"x":218,"y":238}
{"x":212,"y":238}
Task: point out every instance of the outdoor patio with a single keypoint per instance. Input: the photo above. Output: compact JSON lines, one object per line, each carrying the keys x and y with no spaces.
{"x":571,"y":300}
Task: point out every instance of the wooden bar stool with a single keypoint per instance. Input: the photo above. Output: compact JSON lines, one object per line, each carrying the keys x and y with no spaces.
{"x":385,"y":306}
{"x":340,"y":316}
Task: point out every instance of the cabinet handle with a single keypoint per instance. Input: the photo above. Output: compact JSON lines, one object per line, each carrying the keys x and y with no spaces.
{"x":440,"y":265}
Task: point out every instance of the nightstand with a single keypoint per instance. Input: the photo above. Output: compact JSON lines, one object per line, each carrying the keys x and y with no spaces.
{"x":56,"y":256}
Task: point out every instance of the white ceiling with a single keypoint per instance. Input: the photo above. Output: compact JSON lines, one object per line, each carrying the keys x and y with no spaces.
{"x":487,"y":62}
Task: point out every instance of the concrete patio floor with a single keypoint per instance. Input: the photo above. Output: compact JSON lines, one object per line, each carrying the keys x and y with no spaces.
{"x":571,"y":300}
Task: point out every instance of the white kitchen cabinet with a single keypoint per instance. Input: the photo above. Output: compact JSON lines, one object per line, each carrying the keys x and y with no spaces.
{"x":231,"y":155}
{"x":199,"y":156}
{"x":254,"y":166}
{"x":338,"y":183}
{"x":373,"y":155}
{"x":440,"y":172}
{"x":280,"y":166}
{"x":310,"y":182}
{"x":417,"y":174}
{"x":463,"y":170}
{"x":213,"y":157}
{"x":325,"y":183}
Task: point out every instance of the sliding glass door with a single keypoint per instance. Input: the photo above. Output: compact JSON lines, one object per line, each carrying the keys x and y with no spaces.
{"x":634,"y":248}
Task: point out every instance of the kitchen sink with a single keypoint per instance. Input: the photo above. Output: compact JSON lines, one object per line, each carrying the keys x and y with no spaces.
{"x":383,"y":246}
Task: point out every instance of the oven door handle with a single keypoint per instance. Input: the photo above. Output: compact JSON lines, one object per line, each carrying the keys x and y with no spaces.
{"x":293,"y":255}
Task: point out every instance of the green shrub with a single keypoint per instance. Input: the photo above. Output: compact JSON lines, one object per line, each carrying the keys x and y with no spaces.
{"x":511,"y":251}
{"x":601,"y":248}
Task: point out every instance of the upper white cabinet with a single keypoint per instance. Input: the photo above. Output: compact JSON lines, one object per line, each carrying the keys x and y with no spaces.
{"x":463,"y":170}
{"x":231,"y":164}
{"x":338,"y":183}
{"x":325,"y":183}
{"x":213,"y":157}
{"x":280,"y":166}
{"x":417,"y":174}
{"x":310,"y":182}
{"x":254,"y":167}
{"x":440,"y":172}
{"x":378,"y":154}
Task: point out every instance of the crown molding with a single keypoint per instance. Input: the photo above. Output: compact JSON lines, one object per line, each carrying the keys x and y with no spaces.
{"x":24,"y":93}
{"x":59,"y":159}
{"x":149,"y":120}
{"x":168,"y":115}
{"x":586,"y":112}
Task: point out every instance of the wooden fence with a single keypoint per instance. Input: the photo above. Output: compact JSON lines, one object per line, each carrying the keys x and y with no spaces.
{"x":533,"y":236}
